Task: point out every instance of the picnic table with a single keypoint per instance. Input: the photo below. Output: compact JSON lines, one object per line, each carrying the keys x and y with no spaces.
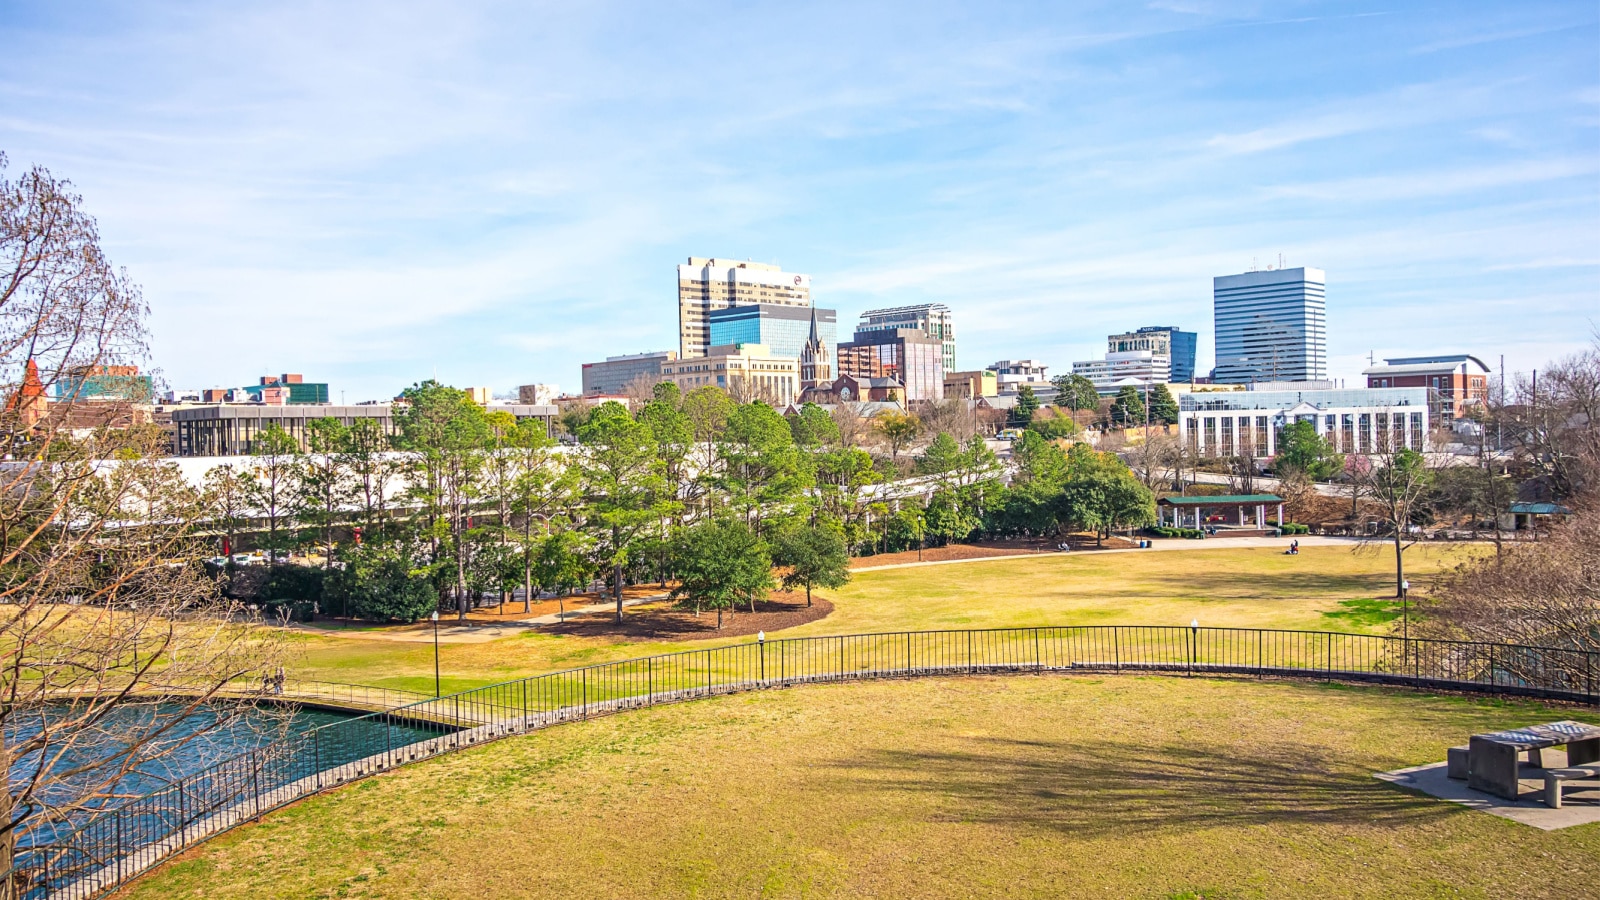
{"x":1492,"y":759}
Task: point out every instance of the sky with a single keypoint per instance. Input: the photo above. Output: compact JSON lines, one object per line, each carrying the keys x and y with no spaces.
{"x":492,"y":194}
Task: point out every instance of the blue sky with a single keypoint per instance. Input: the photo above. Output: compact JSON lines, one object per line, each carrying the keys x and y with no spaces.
{"x":372,"y":194}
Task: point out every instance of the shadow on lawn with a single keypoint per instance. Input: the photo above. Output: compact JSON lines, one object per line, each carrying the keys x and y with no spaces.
{"x":1122,"y":787}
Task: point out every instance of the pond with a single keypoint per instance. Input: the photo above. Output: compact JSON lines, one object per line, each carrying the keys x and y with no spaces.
{"x":207,"y":749}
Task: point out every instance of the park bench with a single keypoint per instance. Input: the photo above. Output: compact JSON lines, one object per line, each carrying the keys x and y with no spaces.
{"x":1554,"y":778}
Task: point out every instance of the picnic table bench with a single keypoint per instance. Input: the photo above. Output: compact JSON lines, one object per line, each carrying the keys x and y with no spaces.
{"x":1493,"y":760}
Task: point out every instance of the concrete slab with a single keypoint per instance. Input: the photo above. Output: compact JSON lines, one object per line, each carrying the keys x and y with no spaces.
{"x":1580,"y":806}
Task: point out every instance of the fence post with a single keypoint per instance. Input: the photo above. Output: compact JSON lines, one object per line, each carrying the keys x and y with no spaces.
{"x":841,"y":657}
{"x":1491,"y":666}
{"x":910,"y":663}
{"x":316,"y":753}
{"x":969,"y":652}
{"x":388,"y":739}
{"x":585,"y":674}
{"x":1194,"y":636}
{"x":524,"y":704}
{"x":1588,"y":676}
{"x":118,"y":818}
{"x":650,"y":680}
{"x":1038,"y":662}
{"x":1261,"y":657}
{"x":183,"y":817}
{"x":1116,"y":645}
{"x":762,"y":645}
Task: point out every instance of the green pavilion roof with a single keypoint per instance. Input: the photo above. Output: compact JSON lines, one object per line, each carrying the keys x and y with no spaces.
{"x":1223,"y":500}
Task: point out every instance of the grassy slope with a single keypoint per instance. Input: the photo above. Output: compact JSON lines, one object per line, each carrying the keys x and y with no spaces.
{"x":1241,"y":587}
{"x":1022,"y":786}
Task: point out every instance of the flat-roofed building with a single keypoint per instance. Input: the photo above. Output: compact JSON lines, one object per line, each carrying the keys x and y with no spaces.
{"x":1137,"y":367}
{"x":1355,"y":421}
{"x":932,"y":319}
{"x":745,"y":371}
{"x":1271,"y":326}
{"x":615,"y":374}
{"x":1457,"y":382}
{"x":710,"y":283}
{"x":972,"y":384}
{"x":906,"y":355}
{"x":231,"y":430}
{"x":1012,"y":374}
{"x":782,"y":329}
{"x":1163,"y":340}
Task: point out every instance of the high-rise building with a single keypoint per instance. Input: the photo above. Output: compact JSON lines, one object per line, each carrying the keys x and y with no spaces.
{"x":932,"y":319}
{"x":782,"y":329}
{"x":1177,"y":345}
{"x":816,"y":362}
{"x":614,"y":375}
{"x":906,"y":355}
{"x":707,"y":284}
{"x":1271,"y":326}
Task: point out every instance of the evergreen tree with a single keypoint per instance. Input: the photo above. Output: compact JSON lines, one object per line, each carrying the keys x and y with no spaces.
{"x":1027,"y":405}
{"x":814,"y":556}
{"x":1128,"y":409}
{"x":1163,"y":408}
{"x":720,"y":563}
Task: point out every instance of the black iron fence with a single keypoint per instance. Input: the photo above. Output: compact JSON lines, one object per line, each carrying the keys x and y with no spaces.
{"x":115,"y":845}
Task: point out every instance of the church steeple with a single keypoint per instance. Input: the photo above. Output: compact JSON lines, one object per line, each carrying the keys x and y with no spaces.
{"x":815,"y":366}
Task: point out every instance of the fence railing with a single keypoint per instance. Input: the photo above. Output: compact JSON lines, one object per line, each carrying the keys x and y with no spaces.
{"x":115,"y":845}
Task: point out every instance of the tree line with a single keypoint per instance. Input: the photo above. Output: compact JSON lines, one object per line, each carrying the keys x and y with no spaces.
{"x":463,"y":505}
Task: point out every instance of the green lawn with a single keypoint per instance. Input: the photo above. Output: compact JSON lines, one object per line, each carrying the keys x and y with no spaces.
{"x":1325,"y":588}
{"x":1123,"y":786}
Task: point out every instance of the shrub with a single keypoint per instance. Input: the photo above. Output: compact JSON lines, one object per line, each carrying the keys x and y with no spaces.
{"x":378,"y":583}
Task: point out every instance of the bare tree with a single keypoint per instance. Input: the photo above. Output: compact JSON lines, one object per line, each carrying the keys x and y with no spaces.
{"x":114,"y":640}
{"x":640,"y":390}
{"x":1550,"y":419}
{"x":854,"y":429}
{"x":1543,"y":594}
{"x":1394,"y":483}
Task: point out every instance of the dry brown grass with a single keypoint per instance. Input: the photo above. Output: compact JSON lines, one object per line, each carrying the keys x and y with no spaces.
{"x":1123,"y":786}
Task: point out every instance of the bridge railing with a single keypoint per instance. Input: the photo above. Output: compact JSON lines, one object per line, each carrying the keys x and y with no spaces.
{"x":115,"y":845}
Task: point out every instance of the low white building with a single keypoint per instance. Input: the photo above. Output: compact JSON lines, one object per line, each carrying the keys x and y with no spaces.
{"x":1355,"y":421}
{"x":1136,"y":367}
{"x":1011,"y":374}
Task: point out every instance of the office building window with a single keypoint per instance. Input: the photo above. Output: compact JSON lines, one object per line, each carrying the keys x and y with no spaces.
{"x":1417,"y":442}
{"x":1366,"y":432}
{"x":1227,"y":436}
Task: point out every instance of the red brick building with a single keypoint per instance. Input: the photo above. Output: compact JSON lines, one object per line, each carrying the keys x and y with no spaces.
{"x":1454,"y":383}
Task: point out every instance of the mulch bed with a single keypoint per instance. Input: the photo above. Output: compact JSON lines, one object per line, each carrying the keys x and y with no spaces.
{"x":984,"y":549}
{"x":665,"y":622}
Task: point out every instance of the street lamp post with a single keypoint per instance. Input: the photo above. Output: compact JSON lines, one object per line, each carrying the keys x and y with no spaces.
{"x":435,"y":618}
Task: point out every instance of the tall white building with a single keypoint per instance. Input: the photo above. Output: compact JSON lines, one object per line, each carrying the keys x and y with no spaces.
{"x":1271,"y":326}
{"x":932,"y":319}
{"x":705,"y":284}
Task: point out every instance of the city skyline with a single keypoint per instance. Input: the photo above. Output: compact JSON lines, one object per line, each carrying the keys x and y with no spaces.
{"x":494,"y":196}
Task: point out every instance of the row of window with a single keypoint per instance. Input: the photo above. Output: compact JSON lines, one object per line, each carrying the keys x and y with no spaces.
{"x":1357,"y":433}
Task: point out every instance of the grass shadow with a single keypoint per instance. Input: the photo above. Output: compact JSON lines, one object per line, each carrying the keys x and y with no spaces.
{"x":1124,"y":788}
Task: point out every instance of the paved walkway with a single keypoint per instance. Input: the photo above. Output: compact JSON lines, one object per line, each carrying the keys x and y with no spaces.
{"x":1210,"y":543}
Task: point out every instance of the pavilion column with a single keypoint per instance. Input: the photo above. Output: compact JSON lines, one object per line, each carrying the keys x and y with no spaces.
{"x":1280,"y":515}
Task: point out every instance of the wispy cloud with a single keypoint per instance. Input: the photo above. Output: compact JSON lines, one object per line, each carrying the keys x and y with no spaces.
{"x":369,"y":191}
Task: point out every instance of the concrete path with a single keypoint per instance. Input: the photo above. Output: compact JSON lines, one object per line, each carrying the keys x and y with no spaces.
{"x":1210,"y":543}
